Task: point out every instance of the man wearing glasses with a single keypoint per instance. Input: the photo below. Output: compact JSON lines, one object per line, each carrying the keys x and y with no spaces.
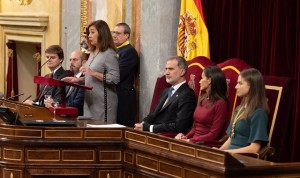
{"x":128,"y":64}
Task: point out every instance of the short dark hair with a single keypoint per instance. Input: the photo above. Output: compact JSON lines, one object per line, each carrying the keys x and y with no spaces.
{"x":126,"y":27}
{"x":55,"y":49}
{"x":182,"y":63}
{"x":105,"y":39}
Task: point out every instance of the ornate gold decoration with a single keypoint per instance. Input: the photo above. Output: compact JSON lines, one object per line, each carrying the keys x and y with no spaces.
{"x":83,"y":16}
{"x":24,"y":2}
{"x":10,"y":53}
{"x":37,"y":57}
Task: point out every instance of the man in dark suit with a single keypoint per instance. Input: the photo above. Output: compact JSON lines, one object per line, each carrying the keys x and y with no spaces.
{"x":128,"y":64}
{"x":54,"y":57}
{"x":75,"y":96}
{"x":175,"y":108}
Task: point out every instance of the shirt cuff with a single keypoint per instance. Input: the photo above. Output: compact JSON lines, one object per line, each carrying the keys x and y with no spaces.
{"x":151,"y":128}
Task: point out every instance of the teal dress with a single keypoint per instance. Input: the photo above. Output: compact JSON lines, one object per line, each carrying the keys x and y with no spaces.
{"x":253,"y":128}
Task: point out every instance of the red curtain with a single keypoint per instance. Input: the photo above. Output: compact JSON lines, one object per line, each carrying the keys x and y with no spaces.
{"x":37,"y":57}
{"x":12,"y":88}
{"x":266,"y":35}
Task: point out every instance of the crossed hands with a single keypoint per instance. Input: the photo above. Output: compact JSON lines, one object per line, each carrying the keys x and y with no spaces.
{"x":139,"y":126}
{"x":182,"y":137}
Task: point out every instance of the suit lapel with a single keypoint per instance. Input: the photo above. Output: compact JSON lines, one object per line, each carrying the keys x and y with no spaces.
{"x":174,"y":97}
{"x":57,"y":73}
{"x":162,"y":101}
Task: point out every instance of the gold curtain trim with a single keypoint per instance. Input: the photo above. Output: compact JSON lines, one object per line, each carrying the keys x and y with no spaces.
{"x":37,"y":57}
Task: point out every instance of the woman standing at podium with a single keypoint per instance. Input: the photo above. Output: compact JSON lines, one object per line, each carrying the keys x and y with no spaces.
{"x":102,"y":73}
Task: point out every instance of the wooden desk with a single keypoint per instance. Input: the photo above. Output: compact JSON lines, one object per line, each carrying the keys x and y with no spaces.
{"x":78,"y":152}
{"x":119,"y":152}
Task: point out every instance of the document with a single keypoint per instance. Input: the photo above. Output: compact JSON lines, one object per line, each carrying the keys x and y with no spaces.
{"x":106,"y":126}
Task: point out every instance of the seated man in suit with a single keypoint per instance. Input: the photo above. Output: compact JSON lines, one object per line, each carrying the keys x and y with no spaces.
{"x":74,"y":96}
{"x":55,"y":57}
{"x":176,"y":105}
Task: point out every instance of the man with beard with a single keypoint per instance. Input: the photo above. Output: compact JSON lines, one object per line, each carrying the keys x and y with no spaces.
{"x":176,"y":105}
{"x":74,"y":96}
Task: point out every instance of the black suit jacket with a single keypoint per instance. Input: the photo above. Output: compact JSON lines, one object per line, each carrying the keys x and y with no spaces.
{"x":128,"y":63}
{"x":176,"y":115}
{"x":54,"y":90}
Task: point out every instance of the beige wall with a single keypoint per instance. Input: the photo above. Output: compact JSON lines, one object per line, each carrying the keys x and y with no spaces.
{"x":47,"y":31}
{"x":111,"y":11}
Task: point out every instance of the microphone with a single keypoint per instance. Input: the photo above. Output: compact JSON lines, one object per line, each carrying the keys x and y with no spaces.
{"x":17,"y":121}
{"x":12,"y":97}
{"x":26,"y":98}
{"x":43,"y":65}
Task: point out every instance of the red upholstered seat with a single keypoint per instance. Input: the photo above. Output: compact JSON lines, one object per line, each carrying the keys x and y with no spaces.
{"x":70,"y":73}
{"x":196,"y":67}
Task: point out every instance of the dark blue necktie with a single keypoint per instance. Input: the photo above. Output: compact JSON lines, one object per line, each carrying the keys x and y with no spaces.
{"x":170,"y":93}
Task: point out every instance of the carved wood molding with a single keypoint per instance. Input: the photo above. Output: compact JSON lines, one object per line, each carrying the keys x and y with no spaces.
{"x":26,"y":20}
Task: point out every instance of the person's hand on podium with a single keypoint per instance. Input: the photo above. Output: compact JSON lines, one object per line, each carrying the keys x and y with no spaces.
{"x":180,"y":136}
{"x":48,"y":102}
{"x":138,"y":126}
{"x":29,"y":102}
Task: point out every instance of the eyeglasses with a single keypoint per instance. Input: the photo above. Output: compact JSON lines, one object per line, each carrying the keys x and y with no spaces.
{"x":117,"y":33}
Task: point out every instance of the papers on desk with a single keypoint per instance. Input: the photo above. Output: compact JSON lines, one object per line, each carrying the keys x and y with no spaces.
{"x":106,"y":126}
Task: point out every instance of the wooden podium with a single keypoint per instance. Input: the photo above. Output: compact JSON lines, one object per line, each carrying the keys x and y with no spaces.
{"x":63,"y":109}
{"x":82,"y":152}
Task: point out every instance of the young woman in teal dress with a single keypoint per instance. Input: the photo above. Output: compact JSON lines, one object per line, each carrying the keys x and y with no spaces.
{"x":248,"y":128}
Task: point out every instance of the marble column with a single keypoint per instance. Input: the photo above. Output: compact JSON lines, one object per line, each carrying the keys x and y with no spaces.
{"x":159,"y":21}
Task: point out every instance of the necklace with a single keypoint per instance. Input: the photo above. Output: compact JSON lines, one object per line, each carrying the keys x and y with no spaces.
{"x":236,"y":118}
{"x":94,"y":56}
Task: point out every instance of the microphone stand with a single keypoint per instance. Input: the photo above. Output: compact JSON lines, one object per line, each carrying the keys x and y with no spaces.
{"x":12,"y":97}
{"x":43,"y":65}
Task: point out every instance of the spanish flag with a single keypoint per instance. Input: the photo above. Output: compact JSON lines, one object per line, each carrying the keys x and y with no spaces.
{"x":193,"y":38}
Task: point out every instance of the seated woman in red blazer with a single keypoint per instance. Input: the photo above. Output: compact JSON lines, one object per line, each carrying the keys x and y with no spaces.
{"x":212,"y":109}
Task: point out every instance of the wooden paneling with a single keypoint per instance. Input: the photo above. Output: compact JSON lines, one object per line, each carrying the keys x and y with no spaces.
{"x":63,"y":134}
{"x":110,"y":155}
{"x":104,"y":134}
{"x":43,"y":155}
{"x":12,"y":154}
{"x":121,"y":152}
{"x":78,"y":155}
